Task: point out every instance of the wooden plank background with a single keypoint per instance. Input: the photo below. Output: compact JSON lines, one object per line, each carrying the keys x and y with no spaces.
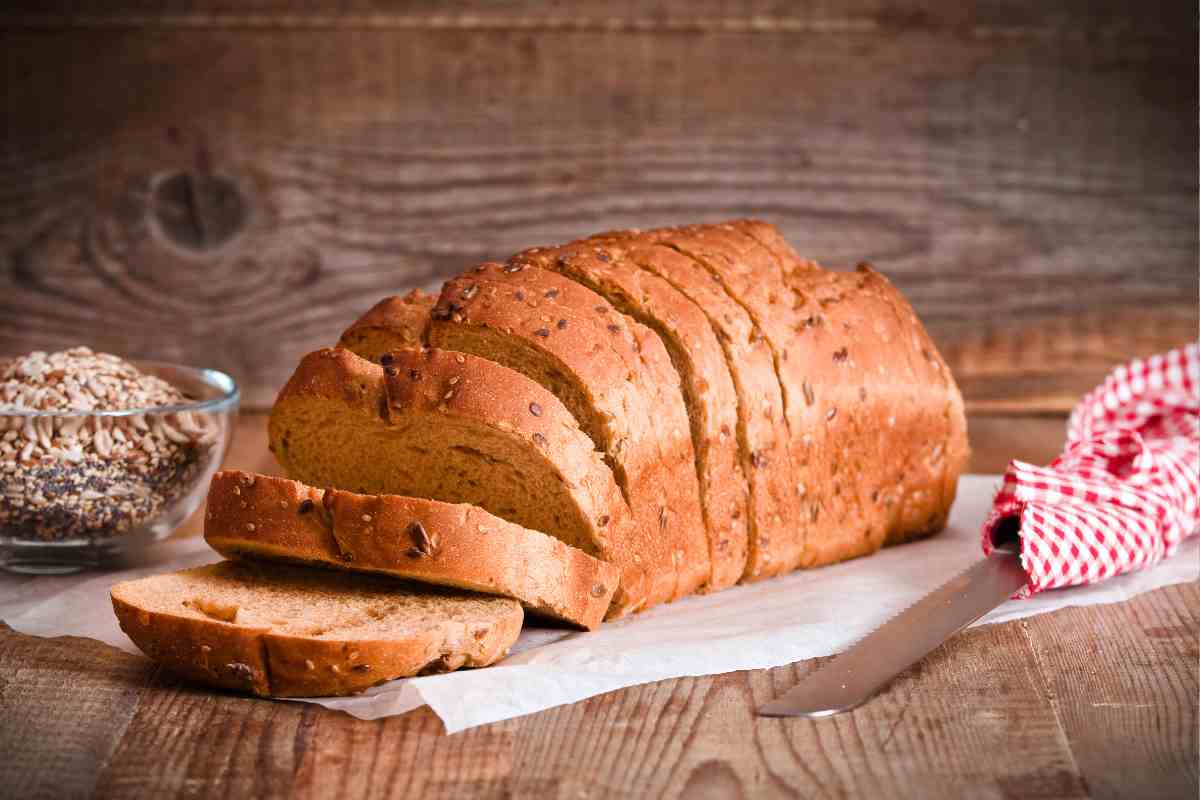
{"x":229,"y":184}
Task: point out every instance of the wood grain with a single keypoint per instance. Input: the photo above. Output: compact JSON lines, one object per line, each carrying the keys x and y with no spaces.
{"x":232,"y":188}
{"x":1090,"y":702}
{"x":63,"y":709}
{"x":1134,"y":734}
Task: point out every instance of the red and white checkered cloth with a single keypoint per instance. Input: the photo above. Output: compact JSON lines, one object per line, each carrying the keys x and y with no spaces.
{"x":1125,"y":492}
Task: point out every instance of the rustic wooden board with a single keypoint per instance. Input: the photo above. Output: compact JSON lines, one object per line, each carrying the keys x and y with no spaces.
{"x":1094,"y":702}
{"x":1118,"y":716}
{"x":230,"y":188}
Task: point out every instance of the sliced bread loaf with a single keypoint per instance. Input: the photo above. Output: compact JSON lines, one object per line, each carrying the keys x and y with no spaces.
{"x":391,"y":324}
{"x":293,"y":632}
{"x":461,"y":429}
{"x":763,"y":437}
{"x":867,"y":404}
{"x":457,"y":545}
{"x":615,"y":377}
{"x":707,"y":388}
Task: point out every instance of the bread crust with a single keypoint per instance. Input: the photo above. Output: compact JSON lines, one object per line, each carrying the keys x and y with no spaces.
{"x":877,"y":410}
{"x":256,"y":660}
{"x":449,"y":544}
{"x":631,"y":403}
{"x":391,"y":324}
{"x":700,"y":364}
{"x":931,"y":370}
{"x":914,"y":444}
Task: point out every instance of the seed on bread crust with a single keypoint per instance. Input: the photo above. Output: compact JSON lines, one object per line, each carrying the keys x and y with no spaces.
{"x":423,"y":544}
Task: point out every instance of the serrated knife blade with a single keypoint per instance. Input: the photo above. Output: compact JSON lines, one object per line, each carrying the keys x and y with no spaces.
{"x":855,"y":675}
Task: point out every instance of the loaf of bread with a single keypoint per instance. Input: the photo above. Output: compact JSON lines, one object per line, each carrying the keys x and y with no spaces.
{"x":755,"y":412}
{"x":456,"y":545}
{"x":272,"y":629}
{"x":619,"y":421}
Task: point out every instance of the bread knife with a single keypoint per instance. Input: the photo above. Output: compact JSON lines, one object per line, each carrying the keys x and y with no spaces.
{"x":855,"y":675}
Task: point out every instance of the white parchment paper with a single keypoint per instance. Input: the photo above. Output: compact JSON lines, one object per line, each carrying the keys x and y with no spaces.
{"x":799,"y":616}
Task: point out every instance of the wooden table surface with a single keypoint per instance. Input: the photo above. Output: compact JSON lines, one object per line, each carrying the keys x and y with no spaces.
{"x":1087,"y":702}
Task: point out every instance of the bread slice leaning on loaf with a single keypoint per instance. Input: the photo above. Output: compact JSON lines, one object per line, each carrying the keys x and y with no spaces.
{"x":457,"y":545}
{"x":453,"y":427}
{"x":287,"y":631}
{"x":615,"y":376}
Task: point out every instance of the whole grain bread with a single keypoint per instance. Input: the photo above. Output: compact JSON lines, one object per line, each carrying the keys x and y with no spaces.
{"x":427,"y":541}
{"x":707,"y":387}
{"x":763,"y":437}
{"x":461,"y":429}
{"x":616,"y":377}
{"x":287,"y":631}
{"x":849,"y":429}
{"x":895,"y":434}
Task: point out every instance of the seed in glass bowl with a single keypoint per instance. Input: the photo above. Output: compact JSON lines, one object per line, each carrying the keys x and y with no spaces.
{"x":86,"y":475}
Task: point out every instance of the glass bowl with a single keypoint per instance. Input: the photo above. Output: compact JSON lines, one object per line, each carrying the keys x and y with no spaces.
{"x":79,"y":489}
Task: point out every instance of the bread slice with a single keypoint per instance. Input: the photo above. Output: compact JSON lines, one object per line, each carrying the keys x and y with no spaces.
{"x":707,"y":387}
{"x":457,"y":545}
{"x":751,"y":277}
{"x":761,"y":430}
{"x":457,"y":428}
{"x":295,"y":632}
{"x":391,"y":324}
{"x":615,"y":377}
